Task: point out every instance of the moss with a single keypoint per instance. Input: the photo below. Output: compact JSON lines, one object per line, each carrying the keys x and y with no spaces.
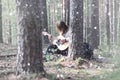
{"x":62,"y":59}
{"x":78,"y":61}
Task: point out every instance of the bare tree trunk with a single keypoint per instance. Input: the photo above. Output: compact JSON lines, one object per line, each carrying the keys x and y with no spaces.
{"x":111,"y":7}
{"x":66,"y":11}
{"x":95,"y":24}
{"x":76,"y":28}
{"x":44,"y":14}
{"x":9,"y":25}
{"x":1,"y":36}
{"x":86,"y":20}
{"x":62,"y":8}
{"x":113,"y":23}
{"x":88,"y":26}
{"x":29,"y":57}
{"x":50,"y":18}
{"x":10,"y":32}
{"x":108,"y":23}
{"x":44,"y":19}
{"x":118,"y":25}
{"x":116,"y":14}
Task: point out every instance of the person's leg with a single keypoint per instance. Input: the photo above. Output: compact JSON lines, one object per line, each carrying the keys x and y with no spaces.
{"x":50,"y":48}
{"x":63,"y":53}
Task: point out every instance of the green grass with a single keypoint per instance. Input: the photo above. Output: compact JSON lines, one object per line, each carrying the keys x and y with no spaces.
{"x":115,"y":75}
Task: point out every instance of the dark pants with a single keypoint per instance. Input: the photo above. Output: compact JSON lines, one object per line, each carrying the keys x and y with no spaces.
{"x":54,"y":50}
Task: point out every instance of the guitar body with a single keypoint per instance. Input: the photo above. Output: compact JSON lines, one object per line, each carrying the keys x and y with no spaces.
{"x":61,"y":46}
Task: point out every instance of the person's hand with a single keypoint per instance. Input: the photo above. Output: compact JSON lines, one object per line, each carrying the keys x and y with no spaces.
{"x":63,"y":41}
{"x":50,"y":37}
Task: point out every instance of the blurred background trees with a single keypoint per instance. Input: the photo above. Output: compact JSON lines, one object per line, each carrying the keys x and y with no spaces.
{"x":100,"y":17}
{"x":101,"y":21}
{"x":1,"y":36}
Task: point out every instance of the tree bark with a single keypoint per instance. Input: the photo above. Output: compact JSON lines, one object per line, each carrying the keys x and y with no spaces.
{"x":29,"y":57}
{"x":108,"y":23}
{"x":9,"y":25}
{"x":1,"y":36}
{"x":44,"y":14}
{"x":111,"y":7}
{"x":116,"y":21}
{"x":66,"y":11}
{"x":76,"y":28}
{"x":95,"y":24}
{"x":88,"y":21}
{"x":44,"y":19}
{"x":10,"y":32}
{"x":118,"y":26}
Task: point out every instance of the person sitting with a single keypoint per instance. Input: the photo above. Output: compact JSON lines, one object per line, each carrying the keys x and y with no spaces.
{"x":60,"y":46}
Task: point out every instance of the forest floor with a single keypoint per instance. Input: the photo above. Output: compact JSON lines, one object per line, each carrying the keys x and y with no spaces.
{"x":55,"y":71}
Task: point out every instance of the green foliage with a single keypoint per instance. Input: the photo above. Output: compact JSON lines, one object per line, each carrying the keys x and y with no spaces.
{"x":51,"y":77}
{"x":49,"y":57}
{"x":62,"y":59}
{"x":78,"y":61}
{"x":107,"y":76}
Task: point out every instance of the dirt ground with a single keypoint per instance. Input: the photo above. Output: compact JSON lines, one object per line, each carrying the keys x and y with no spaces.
{"x":54,"y":70}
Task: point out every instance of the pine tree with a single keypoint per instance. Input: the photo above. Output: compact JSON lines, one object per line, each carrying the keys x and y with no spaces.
{"x":44,"y":19}
{"x":95,"y":24}
{"x":1,"y":37}
{"x":108,"y":23}
{"x":9,"y":24}
{"x":76,"y":28}
{"x":29,"y":57}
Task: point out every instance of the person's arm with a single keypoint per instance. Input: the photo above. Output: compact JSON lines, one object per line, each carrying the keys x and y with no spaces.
{"x":63,"y":41}
{"x":50,"y":37}
{"x":47,"y":34}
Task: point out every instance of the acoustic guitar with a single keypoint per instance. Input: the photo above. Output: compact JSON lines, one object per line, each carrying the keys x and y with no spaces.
{"x":57,"y":41}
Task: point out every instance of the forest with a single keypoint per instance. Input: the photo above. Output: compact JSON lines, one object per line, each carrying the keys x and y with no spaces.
{"x":59,"y":39}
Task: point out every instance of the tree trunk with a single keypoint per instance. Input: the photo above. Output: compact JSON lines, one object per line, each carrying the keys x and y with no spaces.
{"x":29,"y":57}
{"x":9,"y":24}
{"x":95,"y":24}
{"x":10,"y":32}
{"x":118,"y":26}
{"x":111,"y":7}
{"x":44,"y":19}
{"x":108,"y":23}
{"x":1,"y":37}
{"x":66,"y":11}
{"x":116,"y":14}
{"x":76,"y":28}
{"x":88,"y":21}
{"x":44,"y":14}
